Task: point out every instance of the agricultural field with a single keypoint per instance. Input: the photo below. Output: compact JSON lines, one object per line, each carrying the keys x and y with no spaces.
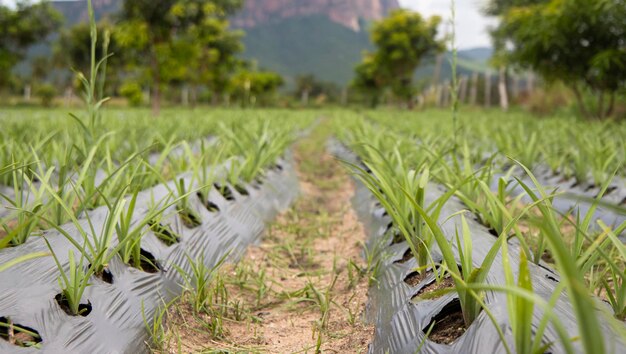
{"x":189,"y":204}
{"x":492,"y":232}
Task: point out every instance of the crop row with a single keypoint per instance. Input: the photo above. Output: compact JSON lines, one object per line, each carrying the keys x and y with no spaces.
{"x":93,"y":218}
{"x":416,"y":180}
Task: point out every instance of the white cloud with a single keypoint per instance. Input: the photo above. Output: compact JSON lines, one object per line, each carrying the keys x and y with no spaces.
{"x":471,"y":24}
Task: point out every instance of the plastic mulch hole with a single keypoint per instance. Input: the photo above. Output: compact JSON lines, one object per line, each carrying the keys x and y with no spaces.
{"x":148,"y":263}
{"x":623,"y":202}
{"x":448,"y":325}
{"x":225,"y":192}
{"x":610,"y":190}
{"x":241,"y":190}
{"x":405,"y":257}
{"x":434,"y":289}
{"x":414,"y":278}
{"x":106,"y":275}
{"x":83,"y":309}
{"x":209,"y":205}
{"x":278,"y":167}
{"x":189,"y":218}
{"x":17,"y":334}
{"x":550,"y":277}
{"x":164,"y":233}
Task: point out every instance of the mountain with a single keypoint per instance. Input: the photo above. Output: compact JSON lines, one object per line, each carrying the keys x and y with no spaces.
{"x":348,"y":13}
{"x":325,"y":38}
{"x":307,"y":45}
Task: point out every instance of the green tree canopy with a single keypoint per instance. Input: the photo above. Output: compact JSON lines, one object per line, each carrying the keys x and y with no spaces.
{"x":21,"y":27}
{"x":579,"y":42}
{"x":402,"y":41}
{"x":172,"y":39}
{"x":251,"y":87}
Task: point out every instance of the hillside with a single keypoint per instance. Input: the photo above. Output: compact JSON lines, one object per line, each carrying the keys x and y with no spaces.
{"x":348,"y":13}
{"x":312,"y":44}
{"x":325,"y":38}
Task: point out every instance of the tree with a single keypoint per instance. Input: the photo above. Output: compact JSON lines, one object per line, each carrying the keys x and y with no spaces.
{"x":402,"y":40}
{"x":21,"y":27}
{"x":217,"y":50}
{"x":308,"y":86}
{"x":73,"y":50}
{"x":250,"y":86}
{"x":167,"y":37}
{"x":579,"y":42}
{"x":369,"y":80}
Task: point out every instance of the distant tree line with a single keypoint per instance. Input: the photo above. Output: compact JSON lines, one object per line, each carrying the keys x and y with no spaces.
{"x":168,"y":46}
{"x":578,"y":43}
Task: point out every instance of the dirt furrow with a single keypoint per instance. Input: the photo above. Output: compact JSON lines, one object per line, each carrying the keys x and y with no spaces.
{"x":302,"y":290}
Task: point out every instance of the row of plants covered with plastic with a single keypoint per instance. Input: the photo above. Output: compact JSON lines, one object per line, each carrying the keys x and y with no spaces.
{"x":472,"y":255}
{"x":130,"y":229}
{"x":108,"y":215}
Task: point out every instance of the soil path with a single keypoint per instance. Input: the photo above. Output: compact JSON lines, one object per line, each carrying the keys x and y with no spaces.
{"x":303,"y":289}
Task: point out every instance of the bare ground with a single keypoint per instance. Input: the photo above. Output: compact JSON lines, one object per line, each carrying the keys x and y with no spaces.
{"x":303,"y":289}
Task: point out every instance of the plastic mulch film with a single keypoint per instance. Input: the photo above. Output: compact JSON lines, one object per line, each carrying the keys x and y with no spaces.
{"x":573,"y":197}
{"x":401,"y":321}
{"x":116,"y":323}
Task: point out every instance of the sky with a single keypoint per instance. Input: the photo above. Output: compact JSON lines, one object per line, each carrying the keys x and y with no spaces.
{"x":470,"y":23}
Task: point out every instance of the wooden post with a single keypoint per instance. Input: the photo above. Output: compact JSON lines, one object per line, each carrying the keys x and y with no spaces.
{"x":502,"y":90}
{"x":474,"y":89}
{"x":447,"y":90}
{"x":487,"y":89}
{"x":184,"y":96}
{"x":304,"y":99}
{"x":515,"y":89}
{"x":437,"y":71}
{"x":530,"y":83}
{"x":27,"y":93}
{"x":439,"y":94}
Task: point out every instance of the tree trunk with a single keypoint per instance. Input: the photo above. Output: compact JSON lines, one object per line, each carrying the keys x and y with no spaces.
{"x":504,"y":97}
{"x":474,"y":90}
{"x":581,"y":103}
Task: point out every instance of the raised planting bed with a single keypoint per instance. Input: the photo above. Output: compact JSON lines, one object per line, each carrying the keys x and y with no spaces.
{"x":120,"y":303}
{"x":403,"y":318}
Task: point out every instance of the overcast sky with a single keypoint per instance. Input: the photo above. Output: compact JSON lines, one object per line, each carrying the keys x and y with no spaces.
{"x":471,"y":24}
